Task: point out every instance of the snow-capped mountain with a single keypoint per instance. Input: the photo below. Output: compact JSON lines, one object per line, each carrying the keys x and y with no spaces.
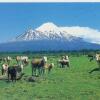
{"x":30,"y":35}
{"x":51,"y":31}
{"x":47,"y":31}
{"x":50,"y":37}
{"x":38,"y":35}
{"x":88,"y":34}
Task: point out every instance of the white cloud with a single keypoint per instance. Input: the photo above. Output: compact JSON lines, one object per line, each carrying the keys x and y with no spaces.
{"x":89,"y":34}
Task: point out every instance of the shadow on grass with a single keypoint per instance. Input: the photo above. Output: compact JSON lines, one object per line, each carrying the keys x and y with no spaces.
{"x":95,"y":69}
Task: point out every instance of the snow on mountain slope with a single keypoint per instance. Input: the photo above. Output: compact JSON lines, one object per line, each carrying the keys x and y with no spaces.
{"x":47,"y":31}
{"x":30,"y":35}
{"x":51,"y":31}
{"x":46,"y":27}
{"x":88,"y":34}
{"x":49,"y":37}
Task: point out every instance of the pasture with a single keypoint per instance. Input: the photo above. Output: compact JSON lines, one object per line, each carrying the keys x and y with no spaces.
{"x":74,"y":83}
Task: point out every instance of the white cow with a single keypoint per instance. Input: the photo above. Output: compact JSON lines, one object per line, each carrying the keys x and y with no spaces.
{"x":98,"y":59}
{"x":23,"y":59}
{"x":64,"y":61}
{"x":4,"y":69}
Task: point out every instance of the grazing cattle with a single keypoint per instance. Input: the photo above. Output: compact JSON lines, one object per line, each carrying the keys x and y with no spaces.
{"x":91,"y":57}
{"x":8,"y":59}
{"x":97,"y":57}
{"x":4,"y":59}
{"x":23,"y":59}
{"x":4,"y":69}
{"x":20,"y":68}
{"x":64,"y":61}
{"x":48,"y":67}
{"x":38,"y":64}
{"x":18,"y":59}
{"x":14,"y":70}
{"x":25,"y":62}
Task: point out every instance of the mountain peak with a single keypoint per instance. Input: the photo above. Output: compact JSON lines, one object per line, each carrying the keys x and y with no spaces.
{"x":52,"y":32}
{"x":49,"y":26}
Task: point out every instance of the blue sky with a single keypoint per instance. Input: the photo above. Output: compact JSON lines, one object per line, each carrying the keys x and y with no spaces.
{"x":15,"y":18}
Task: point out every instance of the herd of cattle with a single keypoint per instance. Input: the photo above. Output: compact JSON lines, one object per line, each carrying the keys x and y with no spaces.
{"x":39,"y":66}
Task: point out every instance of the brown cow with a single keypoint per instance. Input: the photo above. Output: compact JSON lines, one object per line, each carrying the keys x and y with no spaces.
{"x":64,"y":61}
{"x":38,"y":64}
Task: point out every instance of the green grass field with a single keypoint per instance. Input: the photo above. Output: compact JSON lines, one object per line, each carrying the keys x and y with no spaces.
{"x":74,"y":83}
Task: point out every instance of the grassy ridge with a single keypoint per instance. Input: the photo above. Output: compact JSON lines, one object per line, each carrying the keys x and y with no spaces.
{"x":74,"y":83}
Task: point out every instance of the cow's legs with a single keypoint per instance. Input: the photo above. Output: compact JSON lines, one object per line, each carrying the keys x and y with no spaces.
{"x":91,"y":58}
{"x":32,"y":70}
{"x":43,"y":70}
{"x":98,"y":62}
{"x":49,"y":69}
{"x":68,"y":64}
{"x":12,"y":77}
{"x":62,"y":65}
{"x":40,"y":70}
{"x":8,"y":61}
{"x":15,"y":78}
{"x":8,"y":74}
{"x":2,"y":71}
